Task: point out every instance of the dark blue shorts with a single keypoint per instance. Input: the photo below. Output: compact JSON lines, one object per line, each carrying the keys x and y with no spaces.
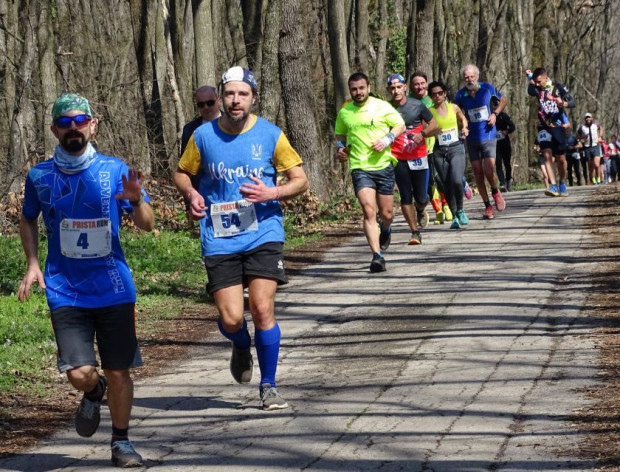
{"x":114,"y":327}
{"x":380,"y":180}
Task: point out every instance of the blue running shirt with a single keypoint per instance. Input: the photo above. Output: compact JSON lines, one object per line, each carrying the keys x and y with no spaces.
{"x":85,"y":265}
{"x":232,"y":224}
{"x":477,"y":109}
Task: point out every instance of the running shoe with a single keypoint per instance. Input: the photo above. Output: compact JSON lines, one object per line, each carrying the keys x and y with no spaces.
{"x":552,"y":191}
{"x":241,"y":365}
{"x":385,"y":238}
{"x":509,"y":185}
{"x":466,"y":189}
{"x":124,"y":455}
{"x":377,"y":264}
{"x":563,"y":190}
{"x":500,"y":204}
{"x":270,"y":399}
{"x":439,"y":218}
{"x":88,"y":414}
{"x":488,"y":213}
{"x":455,"y":223}
{"x":447,"y":212}
{"x":416,"y":238}
{"x":422,"y":218}
{"x":463,"y":220}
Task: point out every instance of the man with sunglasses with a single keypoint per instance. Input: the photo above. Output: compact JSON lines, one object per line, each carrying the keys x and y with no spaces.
{"x":81,"y":195}
{"x":241,"y":227}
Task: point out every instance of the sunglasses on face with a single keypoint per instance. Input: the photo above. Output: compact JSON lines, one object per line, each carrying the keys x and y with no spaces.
{"x":208,"y":103}
{"x":438,"y":93}
{"x":65,"y":121}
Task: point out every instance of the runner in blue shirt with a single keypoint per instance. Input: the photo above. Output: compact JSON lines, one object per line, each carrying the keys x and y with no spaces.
{"x":81,"y":195}
{"x":475,"y":101}
{"x":239,"y":156}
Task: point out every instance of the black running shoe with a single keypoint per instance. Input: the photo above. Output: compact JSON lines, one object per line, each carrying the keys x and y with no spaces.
{"x":87,"y":416}
{"x":241,"y":365}
{"x":377,"y":264}
{"x":385,"y":238}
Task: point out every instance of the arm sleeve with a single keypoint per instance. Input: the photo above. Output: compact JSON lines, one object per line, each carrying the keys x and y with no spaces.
{"x":510,"y":126}
{"x":284,"y":156}
{"x":532,"y":91}
{"x":340,"y":129}
{"x":190,"y":160}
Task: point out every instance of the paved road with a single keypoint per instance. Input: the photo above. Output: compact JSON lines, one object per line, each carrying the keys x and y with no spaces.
{"x":466,"y":355}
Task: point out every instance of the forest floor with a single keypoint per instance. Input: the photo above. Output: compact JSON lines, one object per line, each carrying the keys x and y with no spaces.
{"x":32,"y":418}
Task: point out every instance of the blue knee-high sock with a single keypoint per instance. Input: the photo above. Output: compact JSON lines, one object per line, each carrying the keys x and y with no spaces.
{"x":267,"y":344}
{"x":241,"y":339}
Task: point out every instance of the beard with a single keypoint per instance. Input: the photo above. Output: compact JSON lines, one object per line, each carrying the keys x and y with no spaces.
{"x":70,"y":144}
{"x":237,"y":118}
{"x":471,"y":86}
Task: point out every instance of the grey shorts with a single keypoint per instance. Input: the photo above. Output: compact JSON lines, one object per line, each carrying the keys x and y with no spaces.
{"x":381,"y":180}
{"x":114,"y":328}
{"x":590,"y":153}
{"x":228,"y":270}
{"x":484,"y":150}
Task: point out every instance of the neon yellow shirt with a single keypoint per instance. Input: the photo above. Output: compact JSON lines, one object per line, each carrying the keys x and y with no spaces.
{"x":363,"y":125}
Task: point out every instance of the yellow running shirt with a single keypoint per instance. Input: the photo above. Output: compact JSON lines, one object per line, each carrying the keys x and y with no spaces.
{"x":363,"y":126}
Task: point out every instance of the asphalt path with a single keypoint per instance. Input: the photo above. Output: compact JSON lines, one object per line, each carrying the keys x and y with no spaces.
{"x":468,"y":354}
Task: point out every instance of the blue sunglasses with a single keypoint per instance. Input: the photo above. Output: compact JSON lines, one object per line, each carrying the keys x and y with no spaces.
{"x":65,"y":121}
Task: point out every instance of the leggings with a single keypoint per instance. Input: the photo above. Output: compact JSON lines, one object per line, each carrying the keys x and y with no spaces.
{"x":450,"y":168}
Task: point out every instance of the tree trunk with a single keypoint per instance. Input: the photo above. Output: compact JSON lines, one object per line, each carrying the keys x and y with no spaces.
{"x":380,"y":75}
{"x":47,"y":69}
{"x":362,"y":40}
{"x":252,"y":28}
{"x":235,"y":25}
{"x":424,"y":36}
{"x":203,"y":39}
{"x":297,"y":93}
{"x":269,"y":84}
{"x":336,"y":29}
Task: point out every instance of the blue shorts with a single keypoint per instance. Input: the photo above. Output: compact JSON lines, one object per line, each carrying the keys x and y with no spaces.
{"x":591,"y":152}
{"x":114,"y":328}
{"x":380,"y":180}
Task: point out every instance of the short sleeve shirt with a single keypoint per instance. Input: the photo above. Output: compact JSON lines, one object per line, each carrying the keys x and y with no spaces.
{"x":85,"y":265}
{"x":226,"y":161}
{"x":363,"y":125}
{"x":477,"y":109}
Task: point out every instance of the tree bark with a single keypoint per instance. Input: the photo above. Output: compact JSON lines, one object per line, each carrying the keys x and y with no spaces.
{"x":235,"y":25}
{"x":362,"y":39}
{"x":47,"y":75}
{"x":424,"y":36}
{"x":270,"y":84}
{"x":336,"y":29}
{"x":299,"y":104}
{"x":203,"y":39}
{"x":380,"y":76}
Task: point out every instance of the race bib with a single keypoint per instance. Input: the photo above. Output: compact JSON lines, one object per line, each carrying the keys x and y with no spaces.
{"x":448,"y":136}
{"x":544,"y":136}
{"x":232,"y":218}
{"x":478,"y":114}
{"x":418,"y":164}
{"x":85,"y":238}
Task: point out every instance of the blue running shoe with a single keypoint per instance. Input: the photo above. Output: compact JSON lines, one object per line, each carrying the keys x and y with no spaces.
{"x":563,"y":191}
{"x":455,"y":223}
{"x":463,"y":220}
{"x":552,"y":191}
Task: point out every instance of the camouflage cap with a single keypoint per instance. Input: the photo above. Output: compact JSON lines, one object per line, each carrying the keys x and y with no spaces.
{"x":70,"y":101}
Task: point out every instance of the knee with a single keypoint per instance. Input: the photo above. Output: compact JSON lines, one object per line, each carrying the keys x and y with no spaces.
{"x":117,"y":379}
{"x":83,"y":377}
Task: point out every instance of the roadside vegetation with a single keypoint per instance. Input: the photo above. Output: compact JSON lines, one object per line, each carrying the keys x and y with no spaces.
{"x":168,"y":273}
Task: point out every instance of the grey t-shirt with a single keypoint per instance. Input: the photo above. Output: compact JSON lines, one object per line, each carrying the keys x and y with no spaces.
{"x":413,"y":112}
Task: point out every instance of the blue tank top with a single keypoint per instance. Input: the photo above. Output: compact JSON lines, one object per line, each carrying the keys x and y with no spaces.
{"x":85,"y":265}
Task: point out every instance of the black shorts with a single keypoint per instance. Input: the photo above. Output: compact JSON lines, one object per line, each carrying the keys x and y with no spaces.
{"x":554,"y":139}
{"x":412,"y":184}
{"x":227,"y":270}
{"x":114,"y":328}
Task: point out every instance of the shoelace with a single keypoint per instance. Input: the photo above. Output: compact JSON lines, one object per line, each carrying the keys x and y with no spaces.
{"x":124,"y":446}
{"x":269,"y":392}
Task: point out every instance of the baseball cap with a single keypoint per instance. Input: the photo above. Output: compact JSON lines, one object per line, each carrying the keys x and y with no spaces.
{"x":588,"y":115}
{"x":239,"y":74}
{"x":70,"y":101}
{"x":398,"y":77}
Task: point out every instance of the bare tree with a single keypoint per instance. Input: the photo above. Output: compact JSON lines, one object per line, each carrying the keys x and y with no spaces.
{"x":336,"y":29}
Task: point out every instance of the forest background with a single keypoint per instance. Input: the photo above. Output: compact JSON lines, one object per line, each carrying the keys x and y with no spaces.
{"x":139,"y":62}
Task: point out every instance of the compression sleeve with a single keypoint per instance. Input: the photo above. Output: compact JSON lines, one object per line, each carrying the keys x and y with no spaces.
{"x":565,"y":95}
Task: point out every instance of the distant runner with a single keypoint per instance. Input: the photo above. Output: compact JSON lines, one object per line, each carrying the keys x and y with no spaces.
{"x":365,"y":129}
